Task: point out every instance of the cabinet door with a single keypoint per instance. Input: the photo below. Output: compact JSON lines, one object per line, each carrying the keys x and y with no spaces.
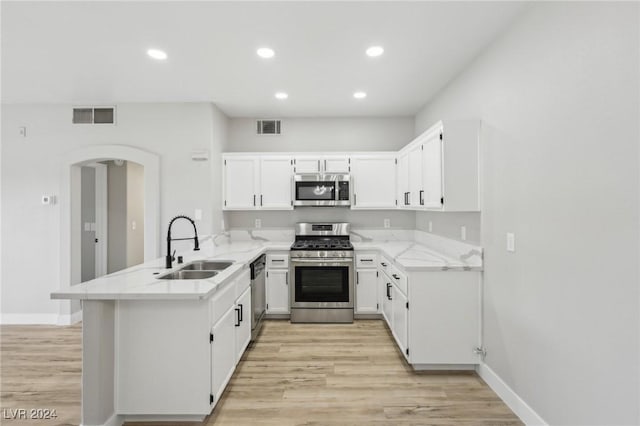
{"x":277,"y":291}
{"x":366,"y":291}
{"x":223,"y":352}
{"x":415,"y":176}
{"x":243,"y":314}
{"x":276,"y":173}
{"x":307,"y":164}
{"x":387,"y":301}
{"x":335,"y":164}
{"x":374,"y":182}
{"x":403,"y":180}
{"x":400,"y":311}
{"x":432,"y":171}
{"x":240,"y":177}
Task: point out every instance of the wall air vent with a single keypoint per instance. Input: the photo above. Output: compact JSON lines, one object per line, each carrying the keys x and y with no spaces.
{"x":268,"y":127}
{"x":94,"y":115}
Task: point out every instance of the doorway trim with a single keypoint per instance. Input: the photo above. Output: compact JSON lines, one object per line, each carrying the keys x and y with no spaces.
{"x":70,"y":271}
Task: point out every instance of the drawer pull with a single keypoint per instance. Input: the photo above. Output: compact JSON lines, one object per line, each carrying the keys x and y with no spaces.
{"x":395,"y":276}
{"x":277,"y":260}
{"x":383,"y":264}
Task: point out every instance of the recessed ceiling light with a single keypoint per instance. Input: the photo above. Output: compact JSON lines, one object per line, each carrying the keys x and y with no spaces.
{"x":265,"y":52}
{"x":281,"y":95}
{"x":374,"y":51}
{"x":157,"y":54}
{"x":360,"y":95}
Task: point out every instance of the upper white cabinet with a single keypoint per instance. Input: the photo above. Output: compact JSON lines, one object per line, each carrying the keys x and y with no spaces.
{"x":275,"y":182}
{"x":403,"y":180}
{"x":410,"y":176}
{"x":373,"y":178}
{"x":450,"y":166}
{"x":322,"y":164}
{"x":253,"y":182}
{"x":240,"y":181}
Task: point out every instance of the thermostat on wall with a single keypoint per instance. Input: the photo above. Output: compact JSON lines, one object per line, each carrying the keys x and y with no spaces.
{"x":48,"y":199}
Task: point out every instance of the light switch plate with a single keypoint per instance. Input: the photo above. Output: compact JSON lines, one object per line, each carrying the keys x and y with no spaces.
{"x":511,"y":241}
{"x":387,"y":223}
{"x":463,"y":233}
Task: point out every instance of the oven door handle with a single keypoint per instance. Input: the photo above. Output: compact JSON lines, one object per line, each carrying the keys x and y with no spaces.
{"x":322,"y":260}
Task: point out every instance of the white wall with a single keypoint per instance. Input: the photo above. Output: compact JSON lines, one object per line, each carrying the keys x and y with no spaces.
{"x":31,"y":167}
{"x":558,"y":94}
{"x":135,"y":213}
{"x":324,"y":134}
{"x":116,"y":217}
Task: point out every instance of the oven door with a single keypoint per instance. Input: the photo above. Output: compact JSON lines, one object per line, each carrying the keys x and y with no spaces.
{"x":322,"y":283}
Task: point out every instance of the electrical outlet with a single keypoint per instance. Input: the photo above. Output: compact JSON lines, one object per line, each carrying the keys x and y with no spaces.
{"x":463,"y":233}
{"x":430,"y":226}
{"x":22,"y":131}
{"x":198,"y":214}
{"x":511,"y":241}
{"x":387,"y":223}
{"x":258,"y":223}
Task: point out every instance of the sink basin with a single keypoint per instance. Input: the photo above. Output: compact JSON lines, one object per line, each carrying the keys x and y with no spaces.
{"x":206,"y":265}
{"x":188,"y":275}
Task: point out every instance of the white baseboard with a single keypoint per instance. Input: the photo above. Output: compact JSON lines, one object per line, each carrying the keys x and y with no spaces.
{"x":528,"y":416}
{"x":29,"y":319}
{"x":41,"y":319}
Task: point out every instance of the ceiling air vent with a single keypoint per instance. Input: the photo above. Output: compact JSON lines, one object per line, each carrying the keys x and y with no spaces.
{"x":94,"y":115}
{"x":268,"y":127}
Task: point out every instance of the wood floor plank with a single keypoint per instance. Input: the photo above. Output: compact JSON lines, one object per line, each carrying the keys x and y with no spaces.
{"x":294,"y":375}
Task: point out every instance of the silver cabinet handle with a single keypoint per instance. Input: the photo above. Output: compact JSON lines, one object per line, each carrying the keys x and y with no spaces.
{"x":357,"y":277}
{"x":260,"y":199}
{"x":325,"y":165}
{"x":286,"y":278}
{"x":324,"y":260}
{"x":318,"y":165}
{"x":254,"y":199}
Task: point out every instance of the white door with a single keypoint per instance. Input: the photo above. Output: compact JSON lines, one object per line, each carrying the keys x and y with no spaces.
{"x":374,"y":182}
{"x":403,"y":180}
{"x":387,"y":301}
{"x":276,"y":174}
{"x":366,"y":291}
{"x":400,"y":319}
{"x":240,"y":178}
{"x":243,"y":314}
{"x":223,"y":352}
{"x":432,"y":171}
{"x":415,"y":176}
{"x":277,"y":284}
{"x":307,"y":164}
{"x":335,"y":164}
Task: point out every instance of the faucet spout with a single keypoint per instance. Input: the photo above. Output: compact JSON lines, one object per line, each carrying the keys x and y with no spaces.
{"x":169,"y":258}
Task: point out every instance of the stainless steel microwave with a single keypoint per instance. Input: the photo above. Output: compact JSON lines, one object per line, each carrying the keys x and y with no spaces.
{"x":321,"y":190}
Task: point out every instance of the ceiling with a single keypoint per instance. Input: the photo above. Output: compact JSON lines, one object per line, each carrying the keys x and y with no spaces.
{"x":95,"y":53}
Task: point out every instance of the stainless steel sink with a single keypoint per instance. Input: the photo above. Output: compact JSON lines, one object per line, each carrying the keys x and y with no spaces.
{"x":188,"y":275}
{"x":206,"y":265}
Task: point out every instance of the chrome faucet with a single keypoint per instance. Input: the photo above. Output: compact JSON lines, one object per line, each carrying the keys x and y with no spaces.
{"x":169,"y":258}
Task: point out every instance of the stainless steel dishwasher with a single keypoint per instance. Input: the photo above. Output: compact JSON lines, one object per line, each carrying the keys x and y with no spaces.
{"x":258,"y":295}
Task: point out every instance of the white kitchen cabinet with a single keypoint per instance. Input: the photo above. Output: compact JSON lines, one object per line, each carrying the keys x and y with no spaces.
{"x":277,"y":283}
{"x":387,"y":299}
{"x":373,"y":180}
{"x":403,"y":191}
{"x":322,"y":164}
{"x":276,"y":174}
{"x":400,"y":313}
{"x":366,"y":291}
{"x":451,"y":166}
{"x":223,"y":352}
{"x":240,"y":182}
{"x":243,"y":322}
{"x":415,"y":160}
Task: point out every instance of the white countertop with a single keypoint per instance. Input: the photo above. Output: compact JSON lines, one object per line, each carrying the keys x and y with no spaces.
{"x":141,"y":282}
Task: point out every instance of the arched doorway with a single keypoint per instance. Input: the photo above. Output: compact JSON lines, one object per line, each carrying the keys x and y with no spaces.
{"x":70,"y":238}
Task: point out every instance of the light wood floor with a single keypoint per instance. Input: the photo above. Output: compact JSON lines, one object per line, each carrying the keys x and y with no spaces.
{"x":296,"y":374}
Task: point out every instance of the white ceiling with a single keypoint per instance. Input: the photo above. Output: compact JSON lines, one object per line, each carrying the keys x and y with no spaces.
{"x":94,"y":53}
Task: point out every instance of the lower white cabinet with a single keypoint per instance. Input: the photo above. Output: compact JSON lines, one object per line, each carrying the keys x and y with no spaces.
{"x":400,"y":308}
{"x":366,"y":291}
{"x":277,"y":283}
{"x":387,"y":299}
{"x":223,"y":352}
{"x":243,"y":322}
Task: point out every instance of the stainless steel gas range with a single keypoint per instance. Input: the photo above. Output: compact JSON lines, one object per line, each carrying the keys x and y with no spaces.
{"x":322,"y":271}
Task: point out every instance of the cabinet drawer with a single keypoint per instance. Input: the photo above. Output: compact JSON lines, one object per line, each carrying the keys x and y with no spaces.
{"x":366,"y":260}
{"x":243,"y":282}
{"x":399,"y":279}
{"x":384,"y":264}
{"x":277,"y":261}
{"x":222,"y":300}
